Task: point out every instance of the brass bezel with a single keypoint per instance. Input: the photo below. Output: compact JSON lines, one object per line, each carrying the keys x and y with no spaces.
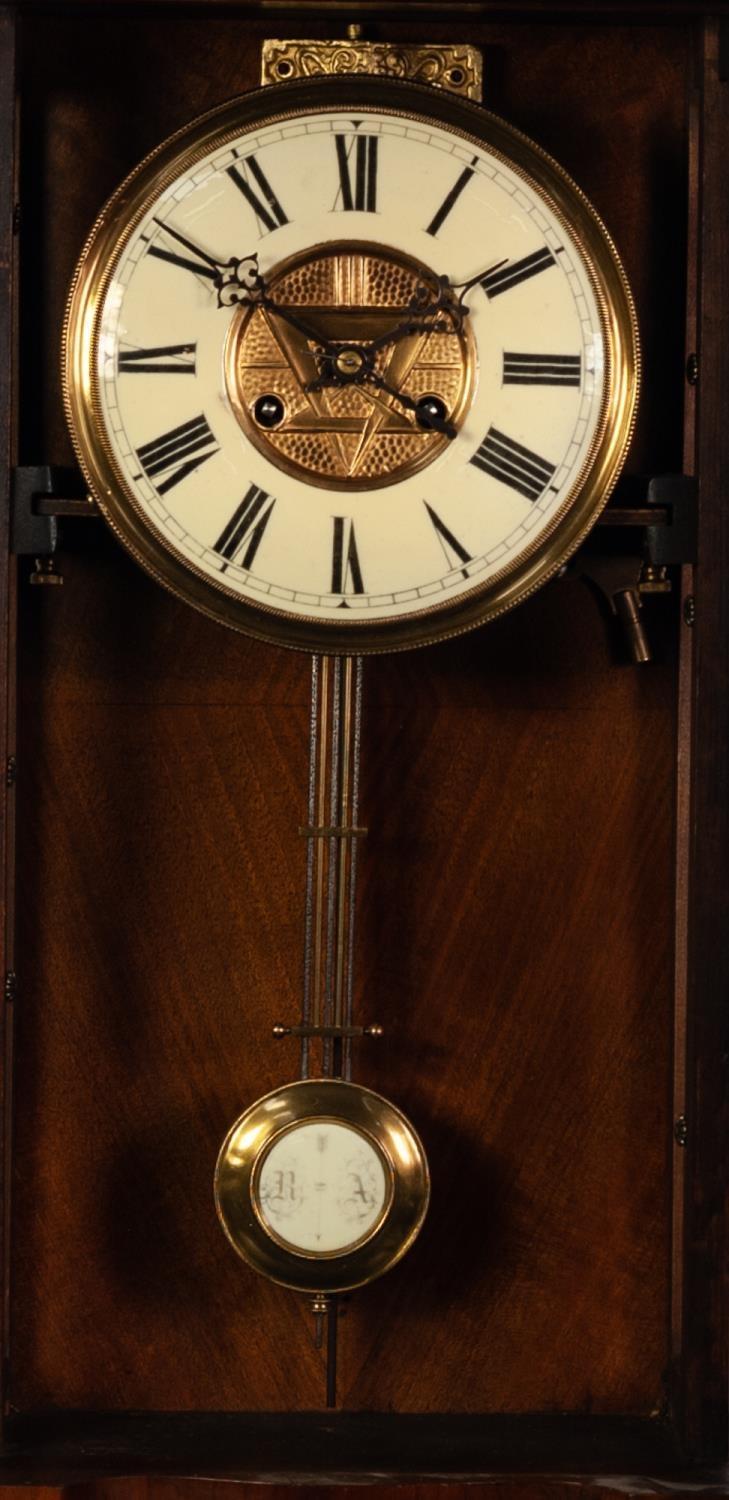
{"x":588,"y":494}
{"x":371,"y":1116}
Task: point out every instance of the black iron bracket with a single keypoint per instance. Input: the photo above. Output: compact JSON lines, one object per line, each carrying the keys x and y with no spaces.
{"x":40,"y":495}
{"x":622,"y":574}
{"x":664,"y":507}
{"x":674,"y":541}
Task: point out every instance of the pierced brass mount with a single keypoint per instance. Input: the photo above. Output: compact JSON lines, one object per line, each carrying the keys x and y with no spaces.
{"x":457,"y":69}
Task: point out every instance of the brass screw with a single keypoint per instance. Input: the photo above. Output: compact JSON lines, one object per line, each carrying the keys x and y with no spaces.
{"x":354,"y":31}
{"x":374,"y":1030}
{"x":44,"y":572}
{"x":349,"y":361}
{"x":654,"y":580}
{"x":320,"y":1303}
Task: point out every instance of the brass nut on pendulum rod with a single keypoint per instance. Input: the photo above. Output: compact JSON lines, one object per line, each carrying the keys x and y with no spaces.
{"x":374,"y":1029}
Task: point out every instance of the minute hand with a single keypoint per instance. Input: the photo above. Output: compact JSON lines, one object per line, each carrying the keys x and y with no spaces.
{"x":235,"y":280}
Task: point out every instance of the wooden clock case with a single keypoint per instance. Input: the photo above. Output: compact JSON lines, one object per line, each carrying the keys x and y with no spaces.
{"x":543,"y":902}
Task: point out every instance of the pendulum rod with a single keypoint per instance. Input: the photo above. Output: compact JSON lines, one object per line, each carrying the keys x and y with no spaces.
{"x":332,"y":833}
{"x":335,"y":738}
{"x":349,"y":891}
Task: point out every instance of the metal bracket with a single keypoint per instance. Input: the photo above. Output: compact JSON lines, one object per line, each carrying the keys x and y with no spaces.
{"x":456,"y":69}
{"x":39,"y":495}
{"x":675,"y":540}
{"x":374,"y":1029}
{"x":665,"y":507}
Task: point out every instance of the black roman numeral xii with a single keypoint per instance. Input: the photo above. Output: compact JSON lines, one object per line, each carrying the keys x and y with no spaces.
{"x":357,"y":163}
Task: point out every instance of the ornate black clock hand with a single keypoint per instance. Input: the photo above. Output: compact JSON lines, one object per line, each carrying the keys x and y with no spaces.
{"x":417,"y":321}
{"x":419,"y":314}
{"x":235,"y":280}
{"x":420,"y":310}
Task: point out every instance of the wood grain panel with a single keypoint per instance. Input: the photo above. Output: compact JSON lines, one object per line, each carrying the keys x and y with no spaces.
{"x":205,"y":1489}
{"x":706,"y":1228}
{"x":8,"y":456}
{"x":527,"y":1015}
{"x":520,"y":961}
{"x":516,"y":888}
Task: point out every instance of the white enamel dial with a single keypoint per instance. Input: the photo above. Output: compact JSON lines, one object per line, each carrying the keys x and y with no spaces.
{"x":325,"y":519}
{"x":321,"y":1188}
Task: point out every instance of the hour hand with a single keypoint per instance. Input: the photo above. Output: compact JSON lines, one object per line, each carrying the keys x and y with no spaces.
{"x":430,"y":412}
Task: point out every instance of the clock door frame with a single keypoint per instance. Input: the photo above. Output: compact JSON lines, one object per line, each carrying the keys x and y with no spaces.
{"x":689,"y":1437}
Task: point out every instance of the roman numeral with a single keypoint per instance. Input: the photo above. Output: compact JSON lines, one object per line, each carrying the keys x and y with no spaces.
{"x":266,"y":207}
{"x":450,"y":544}
{"x":196,"y":266}
{"x":542,"y":369}
{"x":177,"y":453}
{"x":504,"y":277}
{"x":358,"y":191}
{"x":513,"y":464}
{"x":346,"y":571}
{"x":168,"y":359}
{"x":245,"y":528}
{"x":451,"y":198}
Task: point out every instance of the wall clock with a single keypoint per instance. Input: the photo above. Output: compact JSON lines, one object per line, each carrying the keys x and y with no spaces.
{"x":307,"y":400}
{"x":350,"y":366}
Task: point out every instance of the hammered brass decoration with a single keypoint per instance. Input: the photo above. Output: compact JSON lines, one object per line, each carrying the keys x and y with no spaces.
{"x":457,"y":69}
{"x":353,"y":433}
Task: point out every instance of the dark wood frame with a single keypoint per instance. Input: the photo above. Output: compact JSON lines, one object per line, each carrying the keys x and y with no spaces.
{"x":689,"y":1439}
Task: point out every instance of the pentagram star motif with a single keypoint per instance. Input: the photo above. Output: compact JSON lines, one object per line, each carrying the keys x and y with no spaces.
{"x":353,"y":432}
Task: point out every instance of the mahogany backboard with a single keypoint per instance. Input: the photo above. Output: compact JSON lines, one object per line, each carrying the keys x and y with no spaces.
{"x":516,"y":921}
